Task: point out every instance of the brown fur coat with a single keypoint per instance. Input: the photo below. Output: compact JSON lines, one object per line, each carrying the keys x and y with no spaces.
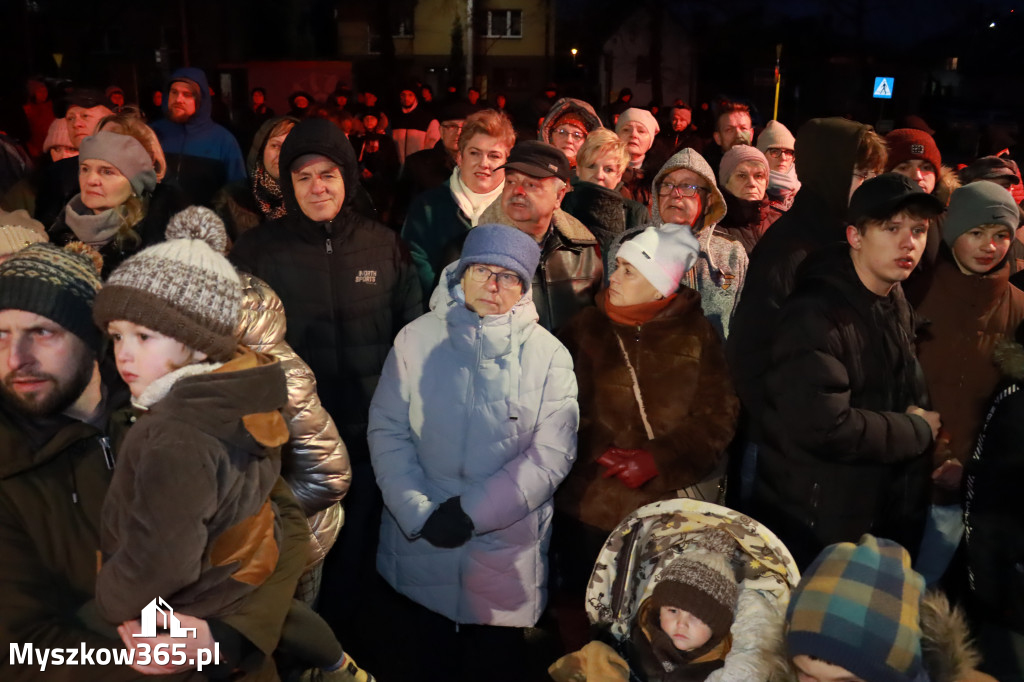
{"x":687,"y":393}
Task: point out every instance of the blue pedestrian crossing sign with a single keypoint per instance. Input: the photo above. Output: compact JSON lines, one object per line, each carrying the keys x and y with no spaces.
{"x":883,"y":88}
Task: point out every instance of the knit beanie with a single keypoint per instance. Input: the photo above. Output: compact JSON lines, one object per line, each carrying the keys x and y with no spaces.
{"x":571,"y":118}
{"x":775,"y":135}
{"x":702,"y":583}
{"x":662,"y":255}
{"x":979,"y":203}
{"x":17,"y":230}
{"x":737,"y":155}
{"x":126,"y":154}
{"x":858,"y":607}
{"x":59,"y":284}
{"x":57,"y":135}
{"x":503,"y":246}
{"x":640,"y":116}
{"x":182,"y":288}
{"x":910,"y":143}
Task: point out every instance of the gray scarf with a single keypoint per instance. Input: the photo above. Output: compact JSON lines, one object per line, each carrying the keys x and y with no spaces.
{"x":95,"y":229}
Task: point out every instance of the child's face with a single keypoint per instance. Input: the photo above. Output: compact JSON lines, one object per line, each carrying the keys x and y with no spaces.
{"x":687,"y":631}
{"x":143,"y":355}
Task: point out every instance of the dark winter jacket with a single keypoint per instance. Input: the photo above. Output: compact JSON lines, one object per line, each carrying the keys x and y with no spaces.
{"x":424,"y":170}
{"x":187,"y":514}
{"x":839,"y":455}
{"x":687,"y":395}
{"x":433,"y":221}
{"x":348,"y":285}
{"x":165,"y":201}
{"x":202,"y":156}
{"x":965,"y":316}
{"x":825,"y":156}
{"x":53,"y":478}
{"x":993,"y":515}
{"x":747,"y":221}
{"x":604,"y":211}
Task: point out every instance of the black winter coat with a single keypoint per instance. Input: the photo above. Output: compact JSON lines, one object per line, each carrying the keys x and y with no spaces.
{"x":348,"y":285}
{"x":840,"y":457}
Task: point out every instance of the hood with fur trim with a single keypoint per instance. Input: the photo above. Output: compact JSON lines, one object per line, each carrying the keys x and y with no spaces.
{"x":567,"y":105}
{"x":691,"y":161}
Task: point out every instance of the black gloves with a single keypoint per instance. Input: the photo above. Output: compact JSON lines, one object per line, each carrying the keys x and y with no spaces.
{"x":448,"y":526}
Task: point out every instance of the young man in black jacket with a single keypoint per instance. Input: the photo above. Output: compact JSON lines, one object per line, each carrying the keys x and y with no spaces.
{"x":845,"y":427}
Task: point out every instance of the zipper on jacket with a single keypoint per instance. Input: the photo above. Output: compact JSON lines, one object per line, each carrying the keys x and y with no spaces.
{"x":108,"y":453}
{"x":327,"y":242}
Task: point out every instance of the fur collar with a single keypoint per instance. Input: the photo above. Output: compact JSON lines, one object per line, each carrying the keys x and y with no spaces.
{"x":1009,"y":357}
{"x":570,"y":228}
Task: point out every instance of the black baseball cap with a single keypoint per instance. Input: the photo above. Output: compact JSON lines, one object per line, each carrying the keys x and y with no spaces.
{"x":538,"y":160}
{"x":883,"y":196}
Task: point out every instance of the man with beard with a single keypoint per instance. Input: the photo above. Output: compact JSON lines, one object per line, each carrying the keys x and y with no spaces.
{"x":60,"y":422}
{"x":202,"y":156}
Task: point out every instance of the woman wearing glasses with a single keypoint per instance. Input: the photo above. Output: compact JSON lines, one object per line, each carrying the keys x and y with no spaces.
{"x":779,"y":146}
{"x":567,"y":125}
{"x":472,"y":427}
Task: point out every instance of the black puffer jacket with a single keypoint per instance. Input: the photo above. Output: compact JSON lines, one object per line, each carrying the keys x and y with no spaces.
{"x":348,"y":285}
{"x":826,"y":152}
{"x":840,"y":457}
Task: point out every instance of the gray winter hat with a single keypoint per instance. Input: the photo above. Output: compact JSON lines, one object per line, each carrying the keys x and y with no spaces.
{"x":126,"y":154}
{"x":979,"y":203}
{"x":501,"y":245}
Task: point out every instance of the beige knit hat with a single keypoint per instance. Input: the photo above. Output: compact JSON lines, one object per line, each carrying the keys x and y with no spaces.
{"x":18,"y":230}
{"x":775,"y":135}
{"x":57,"y":135}
{"x":182,"y":288}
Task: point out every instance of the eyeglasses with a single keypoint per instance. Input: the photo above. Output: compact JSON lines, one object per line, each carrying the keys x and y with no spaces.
{"x":574,"y":134}
{"x":668,"y":189}
{"x":505,"y":280}
{"x":779,"y":153}
{"x":450,"y":126}
{"x":865,"y":175}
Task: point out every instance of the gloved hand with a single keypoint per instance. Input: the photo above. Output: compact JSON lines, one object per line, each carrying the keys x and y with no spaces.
{"x":632,"y":467}
{"x":448,"y":526}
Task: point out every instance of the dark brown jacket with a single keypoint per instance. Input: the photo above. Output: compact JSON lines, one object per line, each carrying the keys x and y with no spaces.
{"x":687,"y":394}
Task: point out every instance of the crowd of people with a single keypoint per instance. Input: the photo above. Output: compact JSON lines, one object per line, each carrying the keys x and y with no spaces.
{"x":471,"y":391}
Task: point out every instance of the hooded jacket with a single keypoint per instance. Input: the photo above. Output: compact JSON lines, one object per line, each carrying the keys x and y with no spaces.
{"x":54,"y":476}
{"x":567,"y":105}
{"x":187,"y":515}
{"x":721,"y":269}
{"x":839,"y":455}
{"x":483,"y":408}
{"x":348,"y":285}
{"x":202,"y":156}
{"x":826,"y":150}
{"x":687,"y":396}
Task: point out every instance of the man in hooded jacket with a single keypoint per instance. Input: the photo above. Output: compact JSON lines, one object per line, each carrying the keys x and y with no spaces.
{"x":202,"y":156}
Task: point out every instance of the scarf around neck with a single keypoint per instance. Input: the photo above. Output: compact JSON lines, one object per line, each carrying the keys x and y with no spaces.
{"x":633,"y":315}
{"x":95,"y":229}
{"x":471,"y":203}
{"x":267,"y":193}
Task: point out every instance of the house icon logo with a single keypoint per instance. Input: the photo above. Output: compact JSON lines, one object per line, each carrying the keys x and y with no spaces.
{"x":160,"y":610}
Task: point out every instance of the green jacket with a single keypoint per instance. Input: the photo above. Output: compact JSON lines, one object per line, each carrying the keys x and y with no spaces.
{"x":54,"y":475}
{"x":433,"y":221}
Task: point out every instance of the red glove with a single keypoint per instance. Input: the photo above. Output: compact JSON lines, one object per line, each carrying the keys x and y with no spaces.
{"x":632,"y":467}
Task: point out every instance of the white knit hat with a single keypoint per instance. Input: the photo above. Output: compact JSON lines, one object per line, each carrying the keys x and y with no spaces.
{"x":775,"y":135}
{"x":182,"y":288}
{"x":640,"y":116}
{"x":17,"y":230}
{"x":662,"y":255}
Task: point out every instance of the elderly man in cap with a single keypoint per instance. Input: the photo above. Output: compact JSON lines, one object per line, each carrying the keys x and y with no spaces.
{"x":85,"y":109}
{"x":637,"y":128}
{"x":536,"y":180}
{"x":202,"y":156}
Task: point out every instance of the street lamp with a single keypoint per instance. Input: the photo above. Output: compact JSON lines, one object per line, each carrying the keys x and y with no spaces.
{"x":574,"y":51}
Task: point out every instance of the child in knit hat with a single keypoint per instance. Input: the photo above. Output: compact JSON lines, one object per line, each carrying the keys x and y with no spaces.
{"x":188,"y":517}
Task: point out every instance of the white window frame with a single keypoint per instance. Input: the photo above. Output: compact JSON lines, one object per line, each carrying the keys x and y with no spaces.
{"x":492,"y":13}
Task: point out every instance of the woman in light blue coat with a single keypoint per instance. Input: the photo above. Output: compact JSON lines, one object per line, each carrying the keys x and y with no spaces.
{"x":472,"y":427}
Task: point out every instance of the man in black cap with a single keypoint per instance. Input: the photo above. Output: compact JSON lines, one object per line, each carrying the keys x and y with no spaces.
{"x":846,"y":425}
{"x":86,"y":107}
{"x":536,"y":180}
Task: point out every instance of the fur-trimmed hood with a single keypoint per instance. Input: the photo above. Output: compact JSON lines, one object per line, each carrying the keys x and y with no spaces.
{"x":946,"y":182}
{"x":1009,"y":358}
{"x":946,"y":648}
{"x":567,"y":105}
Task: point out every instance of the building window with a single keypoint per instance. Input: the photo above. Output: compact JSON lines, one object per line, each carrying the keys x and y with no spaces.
{"x":504,"y":23}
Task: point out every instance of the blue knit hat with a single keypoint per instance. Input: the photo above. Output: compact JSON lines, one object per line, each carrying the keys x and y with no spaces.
{"x":858,"y":607}
{"x":503,"y":246}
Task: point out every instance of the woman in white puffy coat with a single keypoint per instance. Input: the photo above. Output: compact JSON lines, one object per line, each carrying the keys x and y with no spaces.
{"x":472,"y":428}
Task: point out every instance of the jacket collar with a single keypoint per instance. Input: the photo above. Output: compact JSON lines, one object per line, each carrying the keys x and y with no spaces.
{"x":571,"y":230}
